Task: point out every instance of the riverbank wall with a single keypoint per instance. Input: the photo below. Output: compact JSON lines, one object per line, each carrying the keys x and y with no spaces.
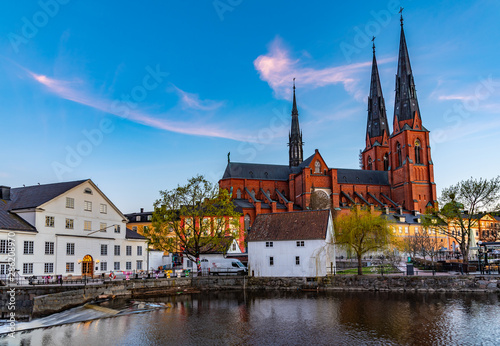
{"x":32,"y":302}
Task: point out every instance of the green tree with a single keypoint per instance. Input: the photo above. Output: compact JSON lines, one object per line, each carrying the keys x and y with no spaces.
{"x":460,"y":214}
{"x":191,"y":218}
{"x":362,"y":232}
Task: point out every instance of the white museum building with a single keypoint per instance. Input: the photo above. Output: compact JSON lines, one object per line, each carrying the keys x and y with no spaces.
{"x":68,"y":229}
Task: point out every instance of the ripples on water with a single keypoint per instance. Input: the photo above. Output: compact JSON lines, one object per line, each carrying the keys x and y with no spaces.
{"x":290,"y":318}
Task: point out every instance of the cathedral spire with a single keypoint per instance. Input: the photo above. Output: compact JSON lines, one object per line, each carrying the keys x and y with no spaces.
{"x":295,"y":137}
{"x":405,"y":104}
{"x":377,"y":117}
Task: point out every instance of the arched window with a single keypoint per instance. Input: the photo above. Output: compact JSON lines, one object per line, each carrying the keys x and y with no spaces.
{"x":252,"y":193}
{"x":238,"y":193}
{"x":247,"y":222}
{"x":370,"y":163}
{"x":386,"y":162}
{"x":268,"y":193}
{"x":398,"y":153}
{"x":418,"y":152}
{"x":317,"y":167}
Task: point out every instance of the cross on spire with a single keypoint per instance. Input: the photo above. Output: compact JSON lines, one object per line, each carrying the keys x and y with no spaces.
{"x":401,"y":12}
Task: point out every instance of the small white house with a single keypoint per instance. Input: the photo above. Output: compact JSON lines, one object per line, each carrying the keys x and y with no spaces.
{"x":291,"y":244}
{"x":68,"y":229}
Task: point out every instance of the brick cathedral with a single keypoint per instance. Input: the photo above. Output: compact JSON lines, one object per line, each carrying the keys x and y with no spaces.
{"x":397,"y":174}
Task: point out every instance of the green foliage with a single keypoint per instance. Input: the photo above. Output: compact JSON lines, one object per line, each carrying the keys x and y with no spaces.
{"x":362,"y":232}
{"x":462,"y":205}
{"x":193,"y":218}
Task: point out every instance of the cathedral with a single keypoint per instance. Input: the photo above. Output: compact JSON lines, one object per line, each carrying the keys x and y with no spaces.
{"x":397,"y":174}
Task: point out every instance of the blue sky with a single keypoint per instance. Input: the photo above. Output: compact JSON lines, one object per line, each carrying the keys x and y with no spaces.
{"x":139,"y":97}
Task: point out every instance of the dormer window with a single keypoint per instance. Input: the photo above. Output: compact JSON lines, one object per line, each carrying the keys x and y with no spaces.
{"x":87,"y":191}
{"x":317,"y":167}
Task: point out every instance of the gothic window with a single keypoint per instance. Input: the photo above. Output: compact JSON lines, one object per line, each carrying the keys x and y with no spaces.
{"x":370,"y":163}
{"x":252,"y":193}
{"x":386,"y":162}
{"x":247,"y":222}
{"x":268,"y":193}
{"x":418,"y":152}
{"x":317,"y":167}
{"x":238,"y":193}
{"x":398,"y":153}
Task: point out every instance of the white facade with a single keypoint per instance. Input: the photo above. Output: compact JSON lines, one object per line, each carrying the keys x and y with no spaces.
{"x":79,"y":222}
{"x":292,"y":258}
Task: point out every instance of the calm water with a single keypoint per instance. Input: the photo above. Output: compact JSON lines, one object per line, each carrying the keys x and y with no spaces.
{"x":283,"y":318}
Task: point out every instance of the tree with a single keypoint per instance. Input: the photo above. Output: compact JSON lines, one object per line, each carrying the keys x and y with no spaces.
{"x":194,"y":217}
{"x":421,"y":244}
{"x":462,"y":204}
{"x":362,"y":232}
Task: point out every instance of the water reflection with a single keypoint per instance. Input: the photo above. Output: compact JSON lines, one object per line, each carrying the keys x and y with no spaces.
{"x":289,"y":318}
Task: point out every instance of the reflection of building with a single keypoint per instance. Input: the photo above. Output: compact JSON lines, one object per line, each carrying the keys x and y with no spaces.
{"x":397,"y":170}
{"x":68,"y":228}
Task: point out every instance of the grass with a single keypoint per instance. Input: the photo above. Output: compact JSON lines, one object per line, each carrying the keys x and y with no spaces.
{"x":369,"y":270}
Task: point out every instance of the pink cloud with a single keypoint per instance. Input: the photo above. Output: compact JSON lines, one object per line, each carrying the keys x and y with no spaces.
{"x":278,"y":69}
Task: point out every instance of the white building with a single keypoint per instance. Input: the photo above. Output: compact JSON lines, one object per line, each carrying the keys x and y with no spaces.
{"x":292,"y":244}
{"x":69,"y":229}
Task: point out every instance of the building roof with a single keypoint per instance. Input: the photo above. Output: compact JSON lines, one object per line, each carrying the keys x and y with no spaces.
{"x":132,"y":217}
{"x":299,"y":225}
{"x":10,"y":221}
{"x":361,"y":176}
{"x":133,"y":235}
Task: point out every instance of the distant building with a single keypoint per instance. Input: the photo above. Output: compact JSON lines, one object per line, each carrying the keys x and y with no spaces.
{"x":68,"y":229}
{"x":294,"y":244}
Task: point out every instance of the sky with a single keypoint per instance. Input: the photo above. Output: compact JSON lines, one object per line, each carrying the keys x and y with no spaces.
{"x":141,"y":96}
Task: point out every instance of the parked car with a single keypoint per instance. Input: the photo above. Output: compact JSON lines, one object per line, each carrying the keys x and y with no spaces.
{"x":226,"y":266}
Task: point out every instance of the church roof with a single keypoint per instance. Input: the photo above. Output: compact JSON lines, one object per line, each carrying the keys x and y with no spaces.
{"x":360,"y":176}
{"x":256,"y":171}
{"x":377,"y":117}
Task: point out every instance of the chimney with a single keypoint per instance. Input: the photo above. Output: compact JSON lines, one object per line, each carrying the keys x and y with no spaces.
{"x":142,"y":210}
{"x":400,"y":210}
{"x":5,"y":193}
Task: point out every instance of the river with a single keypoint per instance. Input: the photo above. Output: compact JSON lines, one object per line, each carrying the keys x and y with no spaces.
{"x":278,"y":318}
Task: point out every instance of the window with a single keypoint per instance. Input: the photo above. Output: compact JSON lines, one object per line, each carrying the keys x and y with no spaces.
{"x":317,"y":167}
{"x":234,"y":247}
{"x":297,"y":260}
{"x":117,"y":250}
{"x":134,"y":228}
{"x":271,"y":261}
{"x":247,"y":222}
{"x":189,"y":263}
{"x":48,"y":268}
{"x":117,"y":228}
{"x":87,"y":191}
{"x":104,"y":250}
{"x":393,"y":230}
{"x":139,"y":265}
{"x":398,"y":155}
{"x":400,"y":230}
{"x":139,"y":250}
{"x":300,"y":243}
{"x":370,"y":163}
{"x":138,"y":218}
{"x":70,"y":249}
{"x":145,"y":228}
{"x":116,"y":266}
{"x":49,"y":221}
{"x":87,"y":206}
{"x":269,"y":244}
{"x":128,"y":250}
{"x":128,"y":265}
{"x":238,"y":194}
{"x":150,"y":217}
{"x":386,"y":162}
{"x":406,"y":230}
{"x":70,"y":224}
{"x":418,"y":152}
{"x":102,"y":227}
{"x":87,"y":225}
{"x":103,"y":209}
{"x":70,"y":267}
{"x":70,"y":203}
{"x":104,"y":266}
{"x":416,"y":230}
{"x":49,"y":248}
{"x":27,"y":268}
{"x":28,"y":247}
{"x":3,"y":246}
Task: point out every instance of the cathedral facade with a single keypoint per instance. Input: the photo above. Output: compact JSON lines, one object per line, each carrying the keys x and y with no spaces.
{"x":397,"y":174}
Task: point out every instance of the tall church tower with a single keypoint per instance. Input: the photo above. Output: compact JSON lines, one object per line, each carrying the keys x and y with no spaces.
{"x":411,"y":171}
{"x":376,"y":153}
{"x":295,"y":136}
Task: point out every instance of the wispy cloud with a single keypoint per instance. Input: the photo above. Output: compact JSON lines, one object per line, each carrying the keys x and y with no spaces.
{"x":74,"y":91}
{"x":192,"y":101}
{"x":278,"y":69}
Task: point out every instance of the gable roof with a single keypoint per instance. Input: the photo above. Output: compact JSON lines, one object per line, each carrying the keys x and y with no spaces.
{"x":299,"y":225}
{"x":130,"y":234}
{"x":9,"y":221}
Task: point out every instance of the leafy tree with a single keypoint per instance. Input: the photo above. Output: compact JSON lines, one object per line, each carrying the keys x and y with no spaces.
{"x":193,"y":218}
{"x":422,"y":244}
{"x":362,"y":232}
{"x":462,"y":204}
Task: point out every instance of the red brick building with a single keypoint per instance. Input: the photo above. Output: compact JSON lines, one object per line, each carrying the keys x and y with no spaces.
{"x":397,"y":173}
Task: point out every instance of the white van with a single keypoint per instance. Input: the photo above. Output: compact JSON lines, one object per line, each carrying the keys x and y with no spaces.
{"x":226,"y":266}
